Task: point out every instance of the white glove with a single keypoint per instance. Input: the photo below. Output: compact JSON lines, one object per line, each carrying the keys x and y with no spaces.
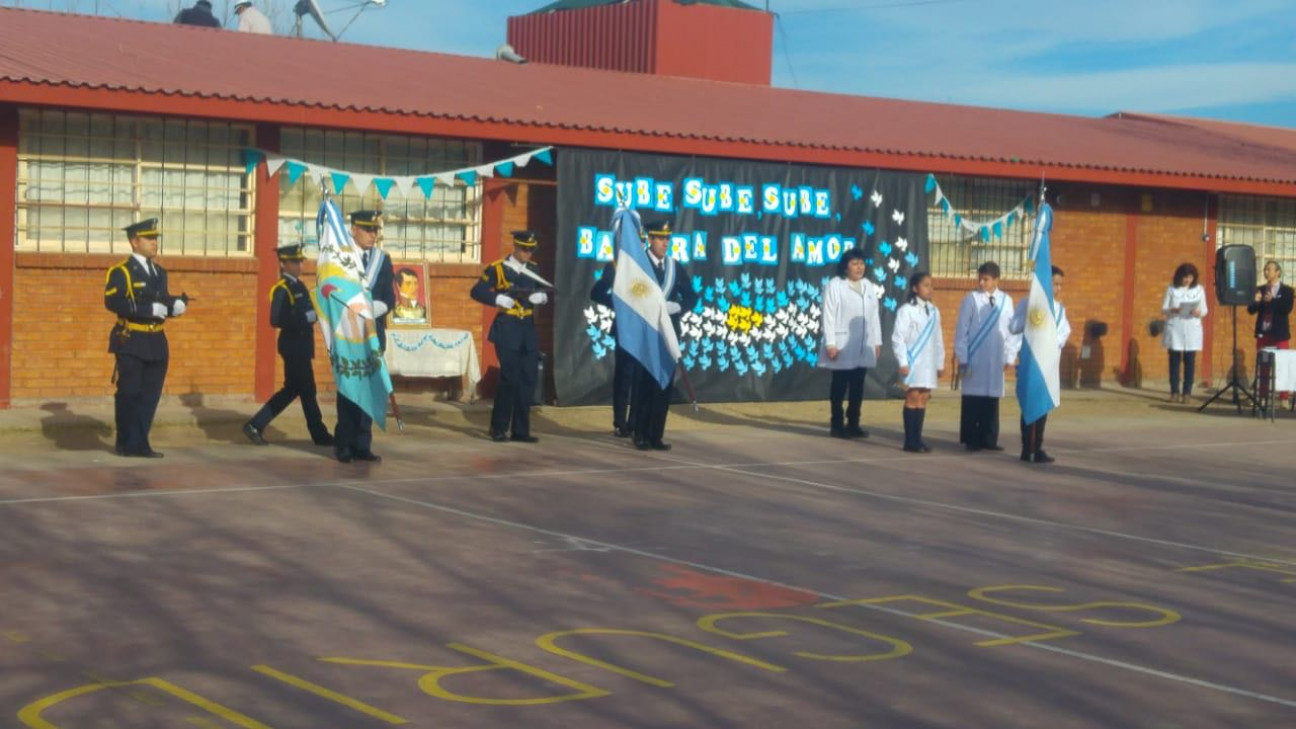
{"x":178,"y":307}
{"x":311,"y":317}
{"x":160,"y":311}
{"x":673,"y":308}
{"x":504,"y":301}
{"x":538,"y":298}
{"x":380,"y":309}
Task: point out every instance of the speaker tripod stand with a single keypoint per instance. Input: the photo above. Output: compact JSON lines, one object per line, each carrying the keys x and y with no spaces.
{"x":1235,"y":385}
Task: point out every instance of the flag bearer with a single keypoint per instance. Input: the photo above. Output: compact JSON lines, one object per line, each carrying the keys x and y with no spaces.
{"x":1033,"y":434}
{"x":353,"y":436}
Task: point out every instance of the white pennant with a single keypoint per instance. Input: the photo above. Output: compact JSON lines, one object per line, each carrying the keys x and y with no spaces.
{"x":361,"y":182}
{"x":404,"y":185}
{"x":274,"y":161}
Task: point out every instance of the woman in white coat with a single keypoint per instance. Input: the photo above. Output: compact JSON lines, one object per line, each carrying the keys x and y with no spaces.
{"x":919,"y":347}
{"x":1184,"y":307}
{"x":852,"y":334}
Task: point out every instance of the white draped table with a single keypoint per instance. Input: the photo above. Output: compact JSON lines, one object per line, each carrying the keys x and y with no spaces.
{"x":433,"y":353}
{"x":1282,"y":375}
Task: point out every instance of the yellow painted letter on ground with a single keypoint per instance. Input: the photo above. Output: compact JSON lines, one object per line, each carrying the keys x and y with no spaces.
{"x":549,"y":643}
{"x":430,"y":681}
{"x":1163,"y":616}
{"x":897,"y":649}
{"x":31,"y":714}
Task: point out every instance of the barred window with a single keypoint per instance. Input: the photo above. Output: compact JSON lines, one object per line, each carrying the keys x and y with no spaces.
{"x":957,"y":252}
{"x":83,"y":177}
{"x":445,"y":227}
{"x":1266,"y":224}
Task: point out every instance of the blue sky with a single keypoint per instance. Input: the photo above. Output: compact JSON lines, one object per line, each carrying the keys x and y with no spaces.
{"x":1220,"y":59}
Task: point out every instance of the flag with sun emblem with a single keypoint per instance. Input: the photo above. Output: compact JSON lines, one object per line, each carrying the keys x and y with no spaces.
{"x":644,"y":328}
{"x":346,"y":318}
{"x":1038,"y":387}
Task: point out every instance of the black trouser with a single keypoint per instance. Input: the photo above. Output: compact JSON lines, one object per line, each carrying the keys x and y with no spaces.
{"x":517,"y":382}
{"x":979,"y":421}
{"x":1189,"y":364}
{"x":651,"y":406}
{"x":354,"y":430}
{"x":299,"y":382}
{"x":139,"y":388}
{"x":623,"y":375}
{"x":1033,"y":436}
{"x":844,"y":381}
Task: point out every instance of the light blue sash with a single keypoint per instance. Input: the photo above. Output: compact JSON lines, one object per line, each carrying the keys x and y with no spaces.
{"x":987,"y":326}
{"x":924,"y":337}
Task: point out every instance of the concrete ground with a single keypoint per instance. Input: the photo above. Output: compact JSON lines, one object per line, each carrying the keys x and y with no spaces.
{"x":758,"y":575}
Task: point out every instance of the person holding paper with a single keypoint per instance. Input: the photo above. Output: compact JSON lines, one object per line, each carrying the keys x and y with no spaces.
{"x":1184,"y":307}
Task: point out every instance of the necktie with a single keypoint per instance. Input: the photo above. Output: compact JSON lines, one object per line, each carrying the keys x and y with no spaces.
{"x":991,"y":301}
{"x":366,"y":258}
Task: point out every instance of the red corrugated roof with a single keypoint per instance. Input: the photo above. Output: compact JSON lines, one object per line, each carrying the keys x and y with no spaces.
{"x":61,"y":51}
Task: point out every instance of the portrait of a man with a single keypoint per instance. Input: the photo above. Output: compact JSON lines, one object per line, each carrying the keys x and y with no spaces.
{"x":411,"y":296}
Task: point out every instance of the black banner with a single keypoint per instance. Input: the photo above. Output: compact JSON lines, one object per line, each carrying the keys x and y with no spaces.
{"x":759,"y":241}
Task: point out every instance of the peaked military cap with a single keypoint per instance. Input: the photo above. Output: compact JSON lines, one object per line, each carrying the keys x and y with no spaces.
{"x":367,"y":218}
{"x":143,"y":229}
{"x":658,"y":227}
{"x":294,"y":252}
{"x":525,"y":239}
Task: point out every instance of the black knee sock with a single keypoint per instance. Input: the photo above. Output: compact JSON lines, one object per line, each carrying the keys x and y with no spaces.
{"x":911,"y":428}
{"x":920,"y":414}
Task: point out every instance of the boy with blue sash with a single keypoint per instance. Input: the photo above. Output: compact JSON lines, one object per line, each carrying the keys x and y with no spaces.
{"x":985,"y":349}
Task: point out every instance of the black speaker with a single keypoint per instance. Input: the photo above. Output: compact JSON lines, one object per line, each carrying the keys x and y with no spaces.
{"x":1235,"y":275}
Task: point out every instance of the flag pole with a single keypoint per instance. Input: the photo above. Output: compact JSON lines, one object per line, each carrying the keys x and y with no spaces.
{"x":688,"y":386}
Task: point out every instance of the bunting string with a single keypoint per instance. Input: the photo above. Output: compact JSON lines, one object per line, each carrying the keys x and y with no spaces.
{"x":387,"y":184}
{"x":983,"y":229}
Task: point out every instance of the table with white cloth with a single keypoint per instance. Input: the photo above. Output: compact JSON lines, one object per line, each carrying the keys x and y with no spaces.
{"x":1281,"y":367}
{"x":428,"y":352}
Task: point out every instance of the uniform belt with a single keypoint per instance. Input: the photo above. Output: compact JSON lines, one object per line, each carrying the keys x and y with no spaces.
{"x":521,"y":313}
{"x":139,"y":327}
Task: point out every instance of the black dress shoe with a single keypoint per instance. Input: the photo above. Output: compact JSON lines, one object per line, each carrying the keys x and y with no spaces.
{"x":253,"y":434}
{"x":524,"y":439}
{"x":150,"y":453}
{"x":369,"y":456}
{"x":660,"y":445}
{"x":323,"y":440}
{"x":1026,"y":456}
{"x":917,"y":449}
{"x":620,"y":432}
{"x":995,"y":447}
{"x":1042,"y":457}
{"x":643,"y":445}
{"x":972,"y":448}
{"x":344,"y":455}
{"x":498,"y":437}
{"x":838,"y":433}
{"x":854,"y":431}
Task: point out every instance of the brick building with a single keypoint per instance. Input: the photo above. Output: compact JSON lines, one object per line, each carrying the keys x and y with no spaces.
{"x":105,"y":121}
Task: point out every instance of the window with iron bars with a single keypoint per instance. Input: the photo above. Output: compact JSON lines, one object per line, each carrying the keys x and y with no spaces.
{"x":956,"y":252}
{"x":83,"y":177}
{"x":1266,"y":224}
{"x":444,"y":227}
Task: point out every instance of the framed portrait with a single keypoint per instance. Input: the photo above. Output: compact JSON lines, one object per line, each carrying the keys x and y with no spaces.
{"x":411,"y":284}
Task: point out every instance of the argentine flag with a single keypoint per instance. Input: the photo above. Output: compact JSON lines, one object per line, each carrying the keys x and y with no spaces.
{"x":644,"y":329}
{"x":346,"y":318}
{"x":1038,"y":389}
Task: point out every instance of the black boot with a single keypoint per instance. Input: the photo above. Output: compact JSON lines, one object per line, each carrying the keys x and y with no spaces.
{"x":920,"y":416}
{"x":911,"y":431}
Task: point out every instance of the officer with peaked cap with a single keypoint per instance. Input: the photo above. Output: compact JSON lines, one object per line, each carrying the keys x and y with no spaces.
{"x":136,"y":291}
{"x":515,"y":295}
{"x":251,"y":20}
{"x":293,"y":313}
{"x":353,"y":436}
{"x":651,"y":402}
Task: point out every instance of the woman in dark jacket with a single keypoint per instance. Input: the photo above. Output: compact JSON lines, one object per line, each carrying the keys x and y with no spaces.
{"x":1272,"y":307}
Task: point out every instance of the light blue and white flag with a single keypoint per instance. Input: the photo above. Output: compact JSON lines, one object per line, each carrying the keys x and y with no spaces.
{"x":1038,"y":389}
{"x":346,"y":318}
{"x":644,"y":329}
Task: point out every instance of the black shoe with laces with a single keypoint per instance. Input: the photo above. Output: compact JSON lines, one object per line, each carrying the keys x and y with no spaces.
{"x":254,"y":434}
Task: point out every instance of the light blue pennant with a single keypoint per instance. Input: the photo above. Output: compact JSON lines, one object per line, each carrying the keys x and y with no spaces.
{"x":504,"y":169}
{"x":468,"y":176}
{"x":295,"y":170}
{"x":340,"y":179}
{"x":251,"y":158}
{"x":545,"y":155}
{"x":384,"y":185}
{"x":426,"y":184}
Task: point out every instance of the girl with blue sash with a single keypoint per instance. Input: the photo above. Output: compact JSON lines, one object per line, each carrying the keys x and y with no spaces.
{"x":919,"y":347}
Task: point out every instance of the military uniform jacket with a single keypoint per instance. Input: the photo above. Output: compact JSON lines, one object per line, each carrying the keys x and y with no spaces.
{"x":380,"y":279}
{"x":515,"y":327}
{"x":130,"y":292}
{"x":289,"y":302}
{"x":680,"y":291}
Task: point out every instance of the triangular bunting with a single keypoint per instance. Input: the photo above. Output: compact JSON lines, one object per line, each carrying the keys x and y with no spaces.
{"x":426,"y":184}
{"x":274,"y":161}
{"x":931,"y":183}
{"x":545,"y":155}
{"x":361,"y":182}
{"x":340,"y":180}
{"x":295,"y":170}
{"x":384,"y":185}
{"x":504,"y":169}
{"x":251,"y":158}
{"x":468,"y":176}
{"x":404,"y":185}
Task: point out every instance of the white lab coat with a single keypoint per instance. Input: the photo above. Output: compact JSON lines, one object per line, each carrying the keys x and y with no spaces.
{"x":1018,"y":325}
{"x":252,"y":20}
{"x":851,"y":324}
{"x":1183,"y":330}
{"x":910,"y":321}
{"x":984,"y":376}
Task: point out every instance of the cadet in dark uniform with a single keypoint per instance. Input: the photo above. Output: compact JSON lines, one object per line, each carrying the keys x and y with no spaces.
{"x":623,"y":365}
{"x":293,"y":314}
{"x":651,"y":402}
{"x":136,"y":291}
{"x":353,"y":436}
{"x":503,"y":285}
